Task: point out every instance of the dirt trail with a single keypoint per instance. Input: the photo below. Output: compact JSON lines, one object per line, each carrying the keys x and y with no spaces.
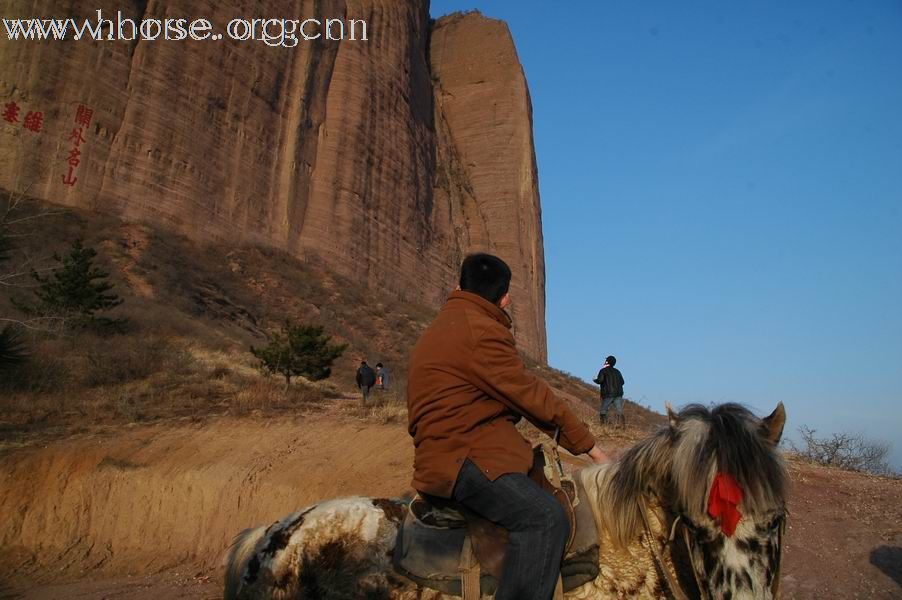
{"x":147,"y":512}
{"x":845,"y":535}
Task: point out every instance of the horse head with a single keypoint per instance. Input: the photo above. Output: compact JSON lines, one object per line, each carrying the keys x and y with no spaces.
{"x":719,"y":481}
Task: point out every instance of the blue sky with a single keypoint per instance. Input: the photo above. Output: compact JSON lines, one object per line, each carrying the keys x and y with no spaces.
{"x":722,"y":199}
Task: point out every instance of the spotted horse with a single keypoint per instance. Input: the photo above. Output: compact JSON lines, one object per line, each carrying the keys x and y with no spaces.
{"x":696,"y":510}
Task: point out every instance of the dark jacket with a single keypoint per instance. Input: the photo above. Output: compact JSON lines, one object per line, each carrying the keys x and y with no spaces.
{"x":467,"y":387}
{"x":611,"y":382}
{"x":366,"y":377}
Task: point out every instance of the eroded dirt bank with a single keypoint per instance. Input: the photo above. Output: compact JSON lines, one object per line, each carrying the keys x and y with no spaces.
{"x":158,"y":497}
{"x":147,"y":512}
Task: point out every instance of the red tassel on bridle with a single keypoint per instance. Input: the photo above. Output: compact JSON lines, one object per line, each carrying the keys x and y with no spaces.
{"x":723,"y":502}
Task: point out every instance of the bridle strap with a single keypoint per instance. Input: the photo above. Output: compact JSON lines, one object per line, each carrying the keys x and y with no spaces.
{"x":555,"y":466}
{"x":672,"y":583}
{"x":573,"y":460}
{"x":702,"y":592}
{"x":675,"y":588}
{"x":775,"y":586}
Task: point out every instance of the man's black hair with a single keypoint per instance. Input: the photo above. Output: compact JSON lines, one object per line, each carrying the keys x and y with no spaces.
{"x":485,"y":275}
{"x":379,"y":365}
{"x":363,"y":362}
{"x":611,"y":361}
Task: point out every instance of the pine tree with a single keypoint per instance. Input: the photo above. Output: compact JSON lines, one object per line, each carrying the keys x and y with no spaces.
{"x":6,"y":244}
{"x":75,"y":291}
{"x":299,"y":350}
{"x":12,"y":348}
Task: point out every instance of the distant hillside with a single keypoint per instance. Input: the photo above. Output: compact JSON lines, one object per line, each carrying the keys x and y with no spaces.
{"x":193,"y":310}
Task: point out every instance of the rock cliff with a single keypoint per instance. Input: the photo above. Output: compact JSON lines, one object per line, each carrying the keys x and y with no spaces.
{"x":387,"y":159}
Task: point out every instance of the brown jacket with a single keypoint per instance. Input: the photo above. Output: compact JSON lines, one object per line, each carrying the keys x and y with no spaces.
{"x":467,"y":388}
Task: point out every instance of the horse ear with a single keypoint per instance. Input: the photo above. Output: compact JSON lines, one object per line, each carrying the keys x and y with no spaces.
{"x":772,"y":426}
{"x":672,"y":416}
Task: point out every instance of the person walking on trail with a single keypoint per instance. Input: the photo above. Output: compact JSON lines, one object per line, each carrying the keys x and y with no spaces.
{"x":467,"y":389}
{"x":381,"y":377}
{"x":611,"y":382}
{"x":366,"y":379}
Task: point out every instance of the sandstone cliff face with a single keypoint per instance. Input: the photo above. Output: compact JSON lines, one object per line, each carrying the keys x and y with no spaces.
{"x":486,"y":167}
{"x":388,"y":159}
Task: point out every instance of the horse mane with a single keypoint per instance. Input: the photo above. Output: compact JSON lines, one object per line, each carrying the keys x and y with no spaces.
{"x":237,"y":556}
{"x":676,"y":467}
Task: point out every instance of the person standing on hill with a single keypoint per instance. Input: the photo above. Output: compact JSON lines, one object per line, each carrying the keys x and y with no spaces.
{"x":366,"y":379}
{"x":611,"y":382}
{"x":381,"y":377}
{"x":467,"y":388}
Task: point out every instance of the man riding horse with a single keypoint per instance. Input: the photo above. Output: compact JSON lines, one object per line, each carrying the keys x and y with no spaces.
{"x":467,"y":389}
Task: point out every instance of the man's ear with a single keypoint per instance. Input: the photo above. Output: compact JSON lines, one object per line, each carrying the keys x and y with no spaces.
{"x":505,"y":301}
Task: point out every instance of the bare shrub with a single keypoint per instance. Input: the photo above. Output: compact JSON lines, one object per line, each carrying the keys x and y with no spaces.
{"x":326,"y":389}
{"x":120,"y":360}
{"x":127,"y":406}
{"x":40,"y":374}
{"x":389,"y":413}
{"x":384,"y":407}
{"x":220,"y":372}
{"x":265,"y":395}
{"x":852,"y":452}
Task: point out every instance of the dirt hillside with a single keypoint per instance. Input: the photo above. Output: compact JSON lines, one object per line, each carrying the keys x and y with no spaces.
{"x":155,"y":497}
{"x":148,"y":511}
{"x":193,"y":311}
{"x":128,"y":460}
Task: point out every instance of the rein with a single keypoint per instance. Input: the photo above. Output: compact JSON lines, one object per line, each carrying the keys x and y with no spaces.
{"x":775,"y":586}
{"x":675,"y":589}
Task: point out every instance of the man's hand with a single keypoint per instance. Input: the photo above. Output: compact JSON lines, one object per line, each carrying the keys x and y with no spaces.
{"x":598,"y":457}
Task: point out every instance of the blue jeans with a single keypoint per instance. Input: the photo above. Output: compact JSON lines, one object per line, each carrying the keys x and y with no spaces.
{"x":607,"y":402}
{"x":536,"y":522}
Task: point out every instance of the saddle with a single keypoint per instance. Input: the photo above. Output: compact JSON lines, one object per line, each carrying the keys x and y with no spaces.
{"x":444,"y":546}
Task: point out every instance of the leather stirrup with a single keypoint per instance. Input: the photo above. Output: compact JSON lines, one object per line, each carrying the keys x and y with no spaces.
{"x":470,"y":573}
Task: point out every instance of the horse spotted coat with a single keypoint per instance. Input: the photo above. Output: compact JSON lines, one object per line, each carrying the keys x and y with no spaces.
{"x":342,"y":549}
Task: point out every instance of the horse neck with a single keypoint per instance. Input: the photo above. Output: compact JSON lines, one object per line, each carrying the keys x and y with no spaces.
{"x":597,"y":481}
{"x":632,"y":566}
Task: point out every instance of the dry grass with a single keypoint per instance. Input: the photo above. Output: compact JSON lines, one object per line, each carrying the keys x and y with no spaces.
{"x":388,"y":406}
{"x":130,"y":378}
{"x":193,"y":310}
{"x":192,"y":317}
{"x":267,"y":396}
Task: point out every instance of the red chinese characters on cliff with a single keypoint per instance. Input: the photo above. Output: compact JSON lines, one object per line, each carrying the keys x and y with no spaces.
{"x":11,"y":112}
{"x":33,"y":121}
{"x":83,"y":116}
